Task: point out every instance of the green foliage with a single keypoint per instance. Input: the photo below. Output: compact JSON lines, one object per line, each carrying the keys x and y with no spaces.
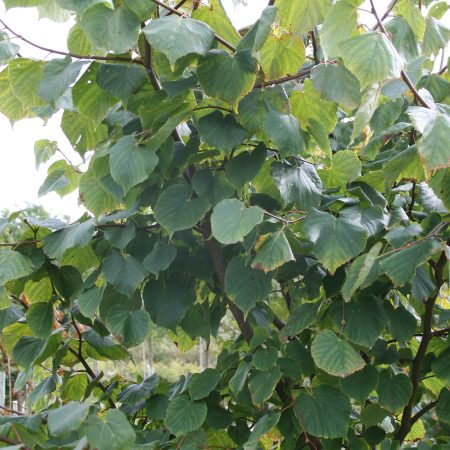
{"x":232,"y":184}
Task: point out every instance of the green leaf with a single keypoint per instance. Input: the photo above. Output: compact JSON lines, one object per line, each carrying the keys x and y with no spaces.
{"x":255,"y":37}
{"x":404,"y":39}
{"x":246,"y":286}
{"x":183,"y":416}
{"x":441,"y":366}
{"x":124,"y":272}
{"x":263,"y":426}
{"x":175,"y":210}
{"x":8,"y":49}
{"x":308,"y":106}
{"x":109,"y":29}
{"x":298,"y":185}
{"x":134,"y":326}
{"x":75,"y":235}
{"x":211,"y":185}
{"x":282,"y":56}
{"x":89,"y":301}
{"x":443,"y":406}
{"x":105,"y":346}
{"x":273,"y":252}
{"x":74,"y":387}
{"x":262,"y":385}
{"x":394,"y":391}
{"x":187,"y":36}
{"x":167,"y":302}
{"x":245,"y":166}
{"x":265,"y":359}
{"x":160,"y":258}
{"x":362,"y":272}
{"x":339,"y":24}
{"x":13,"y":265}
{"x":360,"y":384}
{"x":435,"y":128}
{"x":203,"y":383}
{"x":300,"y":318}
{"x":40,"y":319}
{"x":284,"y":132}
{"x":135,"y":393}
{"x":334,"y":355}
{"x":401,"y":265}
{"x":336,"y":83}
{"x":402,"y":324}
{"x":90,"y":100}
{"x":241,"y":74}
{"x":121,"y":80}
{"x":412,"y":15}
{"x":361,"y":332}
{"x":66,"y":280}
{"x":67,"y":418}
{"x":110,"y":432}
{"x":221,"y":131}
{"x":325,"y":412}
{"x":59,"y":74}
{"x":43,"y":151}
{"x":82,"y":132}
{"x":231,"y":220}
{"x":237,"y":381}
{"x":77,"y":41}
{"x":27,"y":350}
{"x":436,"y":36}
{"x":130,"y":163}
{"x":366,"y":111}
{"x":371,"y":57}
{"x":302,"y":17}
{"x":62,"y":178}
{"x":216,"y":17}
{"x":336,"y":240}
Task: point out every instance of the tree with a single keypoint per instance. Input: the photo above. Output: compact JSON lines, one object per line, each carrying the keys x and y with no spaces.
{"x":297,"y":176}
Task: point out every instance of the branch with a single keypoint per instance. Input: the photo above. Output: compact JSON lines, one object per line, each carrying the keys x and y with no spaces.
{"x":297,"y":76}
{"x":73,"y":55}
{"x":148,"y":64}
{"x":443,"y":70}
{"x":12,"y":411}
{"x":427,"y":335}
{"x":423,"y":411}
{"x":178,"y":6}
{"x":9,"y":441}
{"x":404,"y":75}
{"x":178,"y":13}
{"x":215,"y":252}
{"x":388,"y":11}
{"x":89,"y":371}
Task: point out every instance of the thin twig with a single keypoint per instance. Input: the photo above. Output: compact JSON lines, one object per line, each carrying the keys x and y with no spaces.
{"x":12,"y":411}
{"x":282,"y":219}
{"x":72,"y":55}
{"x":384,"y":16}
{"x":404,"y":75}
{"x":443,"y":70}
{"x":9,"y":441}
{"x":178,"y":13}
{"x":178,"y":6}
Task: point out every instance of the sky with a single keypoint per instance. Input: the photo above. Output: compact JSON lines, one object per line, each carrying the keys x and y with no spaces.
{"x":19,"y":180}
